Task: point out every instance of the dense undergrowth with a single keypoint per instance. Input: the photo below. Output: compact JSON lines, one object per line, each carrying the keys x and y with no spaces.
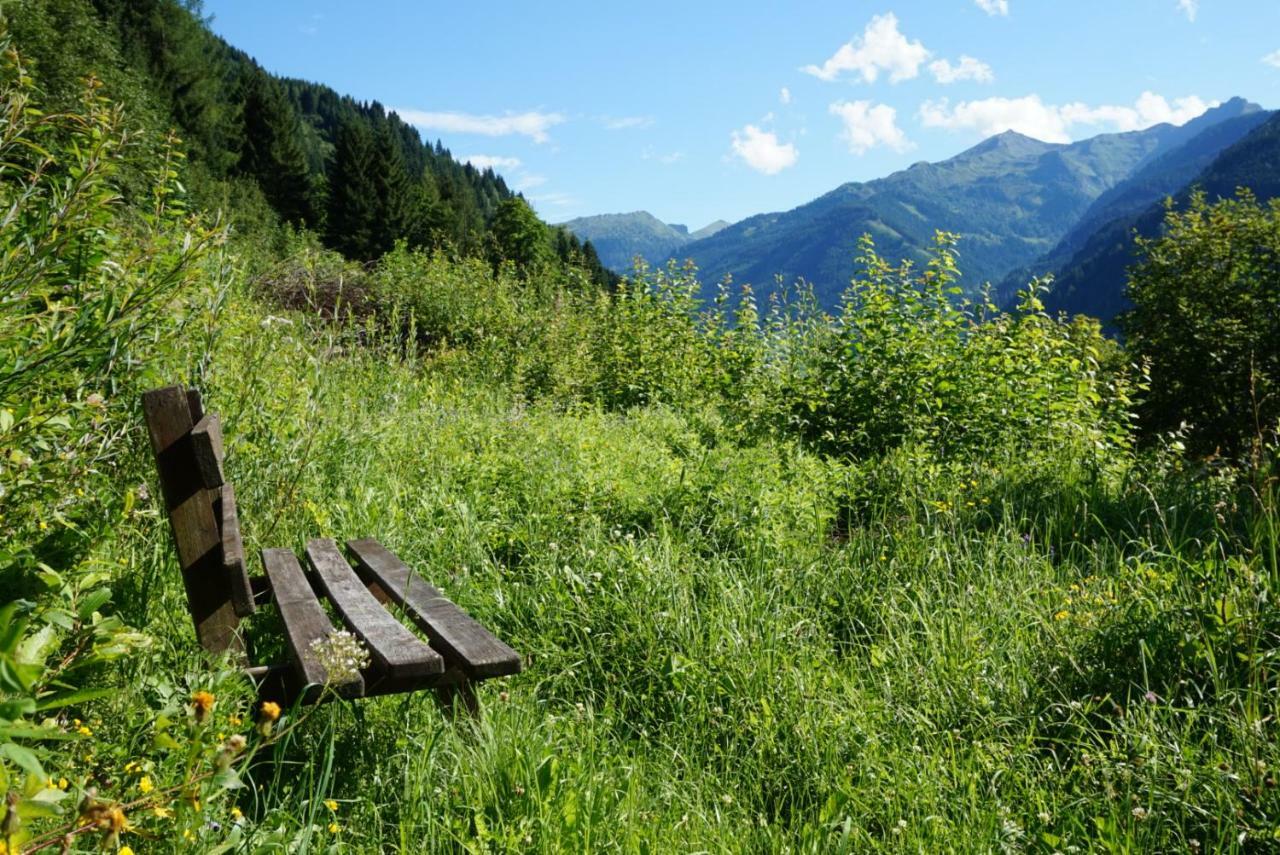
{"x":895,"y":579}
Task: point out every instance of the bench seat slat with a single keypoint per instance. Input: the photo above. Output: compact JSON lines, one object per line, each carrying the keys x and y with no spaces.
{"x":459,"y":637}
{"x":304,"y":620}
{"x":394,"y":649}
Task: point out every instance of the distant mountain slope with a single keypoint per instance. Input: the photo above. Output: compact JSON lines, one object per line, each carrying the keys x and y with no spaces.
{"x":1093,"y":278}
{"x":1158,"y":178}
{"x":619,"y":238}
{"x":1011,"y":198}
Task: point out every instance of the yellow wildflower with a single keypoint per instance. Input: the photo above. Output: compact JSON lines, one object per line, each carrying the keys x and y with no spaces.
{"x":234,"y":720}
{"x":237,"y":814}
{"x":270,"y":710}
{"x":334,"y":828}
{"x":124,"y":850}
{"x":163,"y":812}
{"x":202,"y":704}
{"x":63,"y":783}
{"x":331,"y":804}
{"x":84,"y":730}
{"x":1062,"y":615}
{"x":144,"y":785}
{"x":187,"y":834}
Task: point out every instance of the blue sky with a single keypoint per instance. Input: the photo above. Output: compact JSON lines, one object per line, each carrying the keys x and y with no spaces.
{"x":699,"y":110}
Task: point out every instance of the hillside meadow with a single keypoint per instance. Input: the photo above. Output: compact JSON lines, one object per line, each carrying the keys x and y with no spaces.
{"x":905,"y":577}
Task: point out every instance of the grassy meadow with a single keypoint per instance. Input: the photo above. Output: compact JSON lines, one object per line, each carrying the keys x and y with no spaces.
{"x":898,"y":579}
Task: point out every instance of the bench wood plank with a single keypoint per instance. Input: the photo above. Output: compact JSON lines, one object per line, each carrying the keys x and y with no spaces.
{"x":396,"y":651}
{"x":191,"y":518}
{"x":206,"y":446}
{"x":460,"y":638}
{"x":242,"y":599}
{"x":304,"y":620}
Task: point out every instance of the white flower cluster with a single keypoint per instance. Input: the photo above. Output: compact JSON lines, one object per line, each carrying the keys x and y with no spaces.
{"x":342,"y":655}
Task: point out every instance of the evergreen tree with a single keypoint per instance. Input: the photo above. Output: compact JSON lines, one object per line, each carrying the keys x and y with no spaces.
{"x":272,"y":150}
{"x":353,"y":203}
{"x":392,"y":187}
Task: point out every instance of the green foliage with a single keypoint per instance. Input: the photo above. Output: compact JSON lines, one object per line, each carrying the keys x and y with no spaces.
{"x":1206,"y":317}
{"x":88,"y":285}
{"x":519,"y":236}
{"x":906,"y":362}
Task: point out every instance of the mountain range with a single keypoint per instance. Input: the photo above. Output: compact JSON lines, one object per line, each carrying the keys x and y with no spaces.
{"x":1022,"y":207}
{"x":619,"y":238}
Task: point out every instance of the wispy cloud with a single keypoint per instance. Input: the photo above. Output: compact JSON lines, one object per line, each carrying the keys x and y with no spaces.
{"x":553,"y":201}
{"x":491,"y":161}
{"x":1272,"y":59}
{"x":532,"y":124}
{"x":762,"y":151}
{"x":1054,"y":123}
{"x":665,"y":159}
{"x":1190,"y":8}
{"x":868,"y":125}
{"x":967,"y":68}
{"x":311,"y":26}
{"x":529,"y":181}
{"x":623,"y":123}
{"x":994,"y":7}
{"x":881,"y":47}
{"x":785,"y":95}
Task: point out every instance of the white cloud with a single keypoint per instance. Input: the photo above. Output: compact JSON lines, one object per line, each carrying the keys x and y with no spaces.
{"x":529,"y":181}
{"x":967,"y":69}
{"x":994,"y":7}
{"x":868,"y":125}
{"x":1272,"y":59}
{"x":881,"y":47}
{"x":491,"y":161}
{"x":627,"y":122}
{"x":1054,"y":123}
{"x":762,"y":152}
{"x":555,"y":200}
{"x":1190,"y":8}
{"x":532,"y":124}
{"x":785,"y":95}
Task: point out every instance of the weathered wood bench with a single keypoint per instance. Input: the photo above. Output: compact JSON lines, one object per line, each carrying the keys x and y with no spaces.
{"x":201,"y":504}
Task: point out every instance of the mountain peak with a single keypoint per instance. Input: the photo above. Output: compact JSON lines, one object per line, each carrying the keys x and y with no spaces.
{"x":1008,"y":142}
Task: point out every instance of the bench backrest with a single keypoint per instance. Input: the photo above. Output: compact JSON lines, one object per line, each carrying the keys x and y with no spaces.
{"x":202,"y":514}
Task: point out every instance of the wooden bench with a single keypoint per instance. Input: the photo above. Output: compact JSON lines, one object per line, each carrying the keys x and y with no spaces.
{"x":456,"y":652}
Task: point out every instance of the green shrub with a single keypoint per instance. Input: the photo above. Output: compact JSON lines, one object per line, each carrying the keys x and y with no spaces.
{"x":1206,"y":317}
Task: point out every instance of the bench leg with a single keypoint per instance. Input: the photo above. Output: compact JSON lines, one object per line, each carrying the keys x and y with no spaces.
{"x":458,"y":697}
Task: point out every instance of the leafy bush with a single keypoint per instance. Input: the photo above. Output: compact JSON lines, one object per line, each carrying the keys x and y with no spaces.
{"x":1206,"y":317}
{"x":905,"y":362}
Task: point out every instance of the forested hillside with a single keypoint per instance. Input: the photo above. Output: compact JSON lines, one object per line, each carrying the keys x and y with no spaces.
{"x":352,"y":172}
{"x":620,"y":238}
{"x":1092,"y":279}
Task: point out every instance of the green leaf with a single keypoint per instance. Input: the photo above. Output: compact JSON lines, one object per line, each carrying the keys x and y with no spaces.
{"x":32,"y":732}
{"x":65,"y":699}
{"x":93,"y":601}
{"x":22,"y":758}
{"x":16,"y":708}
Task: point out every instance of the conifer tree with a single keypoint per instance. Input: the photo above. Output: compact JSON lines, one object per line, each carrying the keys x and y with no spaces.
{"x":353,"y":203}
{"x":272,"y":150}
